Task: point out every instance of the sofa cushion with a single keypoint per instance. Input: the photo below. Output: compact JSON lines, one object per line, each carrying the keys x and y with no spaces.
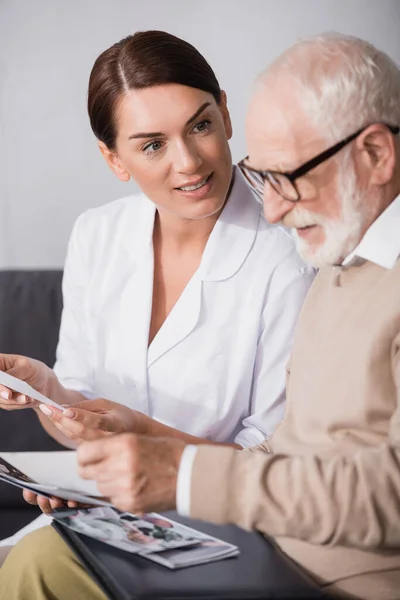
{"x":30,"y":314}
{"x":13,"y":519}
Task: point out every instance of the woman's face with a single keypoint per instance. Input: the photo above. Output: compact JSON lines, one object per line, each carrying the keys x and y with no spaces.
{"x":173,"y":141}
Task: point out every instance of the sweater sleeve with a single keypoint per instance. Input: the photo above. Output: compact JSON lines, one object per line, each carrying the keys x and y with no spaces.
{"x":345,"y":500}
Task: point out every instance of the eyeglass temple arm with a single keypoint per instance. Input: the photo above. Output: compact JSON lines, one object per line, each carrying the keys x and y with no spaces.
{"x":314,"y":162}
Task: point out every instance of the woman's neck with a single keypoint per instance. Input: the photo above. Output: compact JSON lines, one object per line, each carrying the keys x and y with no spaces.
{"x":179,"y":233}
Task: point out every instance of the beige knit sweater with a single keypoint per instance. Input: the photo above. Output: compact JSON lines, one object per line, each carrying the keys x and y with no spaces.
{"x":330,"y":492}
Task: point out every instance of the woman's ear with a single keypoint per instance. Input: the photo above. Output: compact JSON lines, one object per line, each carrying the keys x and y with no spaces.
{"x":114,"y":162}
{"x":223,"y":106}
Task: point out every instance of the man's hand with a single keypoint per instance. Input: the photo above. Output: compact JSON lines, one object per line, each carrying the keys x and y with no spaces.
{"x":94,"y":419}
{"x":138,"y":474}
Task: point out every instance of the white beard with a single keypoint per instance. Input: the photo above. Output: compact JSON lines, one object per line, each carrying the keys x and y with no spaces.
{"x":342,"y":236}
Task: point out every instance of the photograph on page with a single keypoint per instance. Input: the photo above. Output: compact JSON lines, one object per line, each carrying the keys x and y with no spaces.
{"x":12,"y":472}
{"x":139,"y":535}
{"x":12,"y":475}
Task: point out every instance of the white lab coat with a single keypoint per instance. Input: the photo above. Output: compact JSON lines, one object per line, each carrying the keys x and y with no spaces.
{"x":216,"y":368}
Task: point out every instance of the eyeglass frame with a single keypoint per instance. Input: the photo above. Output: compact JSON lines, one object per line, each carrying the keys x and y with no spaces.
{"x":307,"y":166}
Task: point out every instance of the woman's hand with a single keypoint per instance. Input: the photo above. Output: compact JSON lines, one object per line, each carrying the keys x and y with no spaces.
{"x":47,"y":505}
{"x":33,"y":372}
{"x":94,"y":419}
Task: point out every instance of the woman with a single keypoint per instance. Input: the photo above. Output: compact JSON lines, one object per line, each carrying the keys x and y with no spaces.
{"x":180,"y":301}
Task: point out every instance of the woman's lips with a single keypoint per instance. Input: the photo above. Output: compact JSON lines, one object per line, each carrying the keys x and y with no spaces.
{"x":200,"y":192}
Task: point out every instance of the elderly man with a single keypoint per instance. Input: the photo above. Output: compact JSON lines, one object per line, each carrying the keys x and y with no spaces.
{"x":324,"y":152}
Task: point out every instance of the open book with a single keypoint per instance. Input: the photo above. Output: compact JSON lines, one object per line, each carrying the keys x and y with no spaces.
{"x":153,"y":536}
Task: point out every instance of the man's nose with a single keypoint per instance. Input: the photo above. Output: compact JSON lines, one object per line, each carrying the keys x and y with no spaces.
{"x":275,"y":206}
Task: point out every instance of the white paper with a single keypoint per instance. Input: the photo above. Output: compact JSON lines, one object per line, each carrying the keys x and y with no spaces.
{"x":24,"y":388}
{"x":55,"y":469}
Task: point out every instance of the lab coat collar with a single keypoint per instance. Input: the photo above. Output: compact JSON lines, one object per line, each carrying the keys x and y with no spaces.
{"x":230,"y":241}
{"x":233,"y":234}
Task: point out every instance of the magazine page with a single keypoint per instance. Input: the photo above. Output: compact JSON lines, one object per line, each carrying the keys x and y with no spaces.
{"x":8,"y":471}
{"x":206,"y":551}
{"x":10,"y":474}
{"x":140,"y":535}
{"x":152,"y":535}
{"x":59,"y":469}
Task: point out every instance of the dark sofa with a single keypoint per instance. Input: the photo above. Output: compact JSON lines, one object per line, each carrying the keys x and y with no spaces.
{"x":30,"y":312}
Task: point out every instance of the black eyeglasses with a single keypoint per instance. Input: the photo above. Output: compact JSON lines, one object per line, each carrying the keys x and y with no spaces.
{"x":284,"y":182}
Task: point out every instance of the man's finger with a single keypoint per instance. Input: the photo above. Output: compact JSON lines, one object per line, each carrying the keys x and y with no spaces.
{"x":93,"y":452}
{"x":96,"y":451}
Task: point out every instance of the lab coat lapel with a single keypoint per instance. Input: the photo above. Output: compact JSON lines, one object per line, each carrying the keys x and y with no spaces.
{"x":227,"y":248}
{"x":180,"y":322}
{"x":135,"y":307}
{"x":233,"y":235}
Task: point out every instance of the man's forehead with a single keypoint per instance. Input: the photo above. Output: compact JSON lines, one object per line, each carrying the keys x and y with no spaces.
{"x":278,"y":132}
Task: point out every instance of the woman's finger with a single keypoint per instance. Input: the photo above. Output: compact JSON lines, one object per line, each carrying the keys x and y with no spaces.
{"x":44,"y":504}
{"x":30,"y":497}
{"x":56,"y":502}
{"x":10,"y":400}
{"x":79,"y":433}
{"x":77,"y":424}
{"x":5,"y":393}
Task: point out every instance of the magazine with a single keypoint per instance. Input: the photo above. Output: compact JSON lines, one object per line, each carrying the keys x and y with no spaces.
{"x":152,"y":535}
{"x":81,"y":491}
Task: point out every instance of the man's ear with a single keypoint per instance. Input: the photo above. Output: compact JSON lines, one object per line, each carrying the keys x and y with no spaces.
{"x":114,"y":162}
{"x":223,"y":106}
{"x":377,"y":144}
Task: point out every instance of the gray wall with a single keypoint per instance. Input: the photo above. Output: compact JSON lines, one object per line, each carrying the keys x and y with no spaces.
{"x":50,"y":168}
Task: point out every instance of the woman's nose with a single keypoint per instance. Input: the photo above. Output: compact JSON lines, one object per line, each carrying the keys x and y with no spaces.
{"x":187,"y":159}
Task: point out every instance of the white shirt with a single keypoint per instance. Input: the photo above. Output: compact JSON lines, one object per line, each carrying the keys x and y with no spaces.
{"x":380,"y":245}
{"x":216,"y":368}
{"x":381,"y":242}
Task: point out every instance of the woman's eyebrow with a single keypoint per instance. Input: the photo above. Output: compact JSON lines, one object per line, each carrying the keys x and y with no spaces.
{"x":198,"y":112}
{"x":136,"y":136}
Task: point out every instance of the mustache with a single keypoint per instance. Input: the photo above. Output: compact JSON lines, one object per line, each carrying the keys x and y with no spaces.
{"x":299,"y":217}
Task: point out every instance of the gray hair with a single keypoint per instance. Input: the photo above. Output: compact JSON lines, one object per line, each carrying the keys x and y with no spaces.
{"x":343,"y":83}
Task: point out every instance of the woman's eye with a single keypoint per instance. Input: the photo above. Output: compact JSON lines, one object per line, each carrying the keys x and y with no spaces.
{"x":202,"y":126}
{"x":152,"y":147}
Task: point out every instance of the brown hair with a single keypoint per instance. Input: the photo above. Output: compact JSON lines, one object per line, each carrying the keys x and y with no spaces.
{"x":146,"y":59}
